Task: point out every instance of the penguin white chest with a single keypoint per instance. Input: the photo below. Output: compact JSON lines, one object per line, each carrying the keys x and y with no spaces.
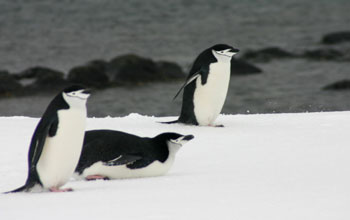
{"x":208,"y":99}
{"x":61,"y":152}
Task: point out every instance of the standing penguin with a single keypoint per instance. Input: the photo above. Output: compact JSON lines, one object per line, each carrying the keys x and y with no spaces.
{"x":110,"y":154}
{"x":57,"y":141}
{"x":206,"y":86}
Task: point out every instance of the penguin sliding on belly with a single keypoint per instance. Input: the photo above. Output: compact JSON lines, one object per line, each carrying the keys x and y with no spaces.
{"x":57,"y":141}
{"x":206,"y":86}
{"x":110,"y":154}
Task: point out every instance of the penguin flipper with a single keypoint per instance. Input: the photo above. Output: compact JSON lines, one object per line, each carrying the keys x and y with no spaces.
{"x":140,"y":163}
{"x":44,"y":129}
{"x":123,"y":160}
{"x":203,"y":72}
{"x":188,"y":81}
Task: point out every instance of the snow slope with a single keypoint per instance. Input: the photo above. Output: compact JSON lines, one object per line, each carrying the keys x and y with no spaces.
{"x":273,"y":166}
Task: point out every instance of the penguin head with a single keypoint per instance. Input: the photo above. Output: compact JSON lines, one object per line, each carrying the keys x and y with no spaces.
{"x":179,"y":138}
{"x":223,"y":52}
{"x":76,"y":95}
{"x":174,"y":140}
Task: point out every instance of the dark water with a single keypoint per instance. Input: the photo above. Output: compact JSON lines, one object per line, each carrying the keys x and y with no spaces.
{"x":67,"y":33}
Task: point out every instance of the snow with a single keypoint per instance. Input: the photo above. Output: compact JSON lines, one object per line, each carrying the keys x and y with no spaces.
{"x":268,"y":166}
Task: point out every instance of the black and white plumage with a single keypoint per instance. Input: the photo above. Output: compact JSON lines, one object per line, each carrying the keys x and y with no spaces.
{"x":206,"y":86}
{"x":57,"y":141}
{"x":110,"y":154}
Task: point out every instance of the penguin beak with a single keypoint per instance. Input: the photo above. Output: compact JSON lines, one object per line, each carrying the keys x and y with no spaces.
{"x":234,"y":50}
{"x":86,"y":91}
{"x":188,"y":137}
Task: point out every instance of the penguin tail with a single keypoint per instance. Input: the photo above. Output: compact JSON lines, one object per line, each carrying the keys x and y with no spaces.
{"x":169,"y":122}
{"x":25,"y":188}
{"x":20,"y":189}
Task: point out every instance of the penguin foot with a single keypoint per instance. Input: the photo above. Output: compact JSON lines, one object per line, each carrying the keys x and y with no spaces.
{"x":56,"y":189}
{"x":96,"y":177}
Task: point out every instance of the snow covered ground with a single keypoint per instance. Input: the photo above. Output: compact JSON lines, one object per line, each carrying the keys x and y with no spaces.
{"x":273,"y":166}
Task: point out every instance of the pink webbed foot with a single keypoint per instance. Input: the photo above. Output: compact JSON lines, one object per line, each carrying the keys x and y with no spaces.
{"x":56,"y":189}
{"x":96,"y":177}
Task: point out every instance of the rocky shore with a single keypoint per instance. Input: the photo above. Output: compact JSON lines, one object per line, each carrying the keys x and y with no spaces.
{"x":131,"y":69}
{"x":123,"y":70}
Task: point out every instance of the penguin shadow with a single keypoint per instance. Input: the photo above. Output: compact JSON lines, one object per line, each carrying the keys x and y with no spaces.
{"x":110,"y":184}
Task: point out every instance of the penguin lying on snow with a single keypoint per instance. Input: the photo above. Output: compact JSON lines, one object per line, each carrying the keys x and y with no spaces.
{"x":206,"y":86}
{"x":109,"y":154}
{"x":57,"y":141}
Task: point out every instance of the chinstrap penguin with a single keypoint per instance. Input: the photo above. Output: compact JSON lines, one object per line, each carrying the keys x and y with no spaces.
{"x":57,"y":141}
{"x":206,"y":86}
{"x":110,"y":154}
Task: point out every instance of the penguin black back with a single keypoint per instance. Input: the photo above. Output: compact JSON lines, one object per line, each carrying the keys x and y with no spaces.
{"x":111,"y":144}
{"x":105,"y":141}
{"x":115,"y":154}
